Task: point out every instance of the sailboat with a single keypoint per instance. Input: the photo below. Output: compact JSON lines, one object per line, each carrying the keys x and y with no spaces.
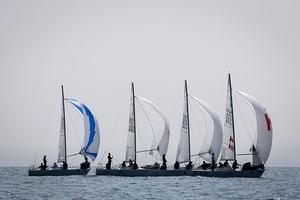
{"x":259,"y":151}
{"x":159,"y":148}
{"x":89,"y":148}
{"x":208,"y":148}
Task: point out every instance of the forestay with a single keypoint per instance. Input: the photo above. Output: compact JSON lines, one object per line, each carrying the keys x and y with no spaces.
{"x":91,"y":131}
{"x":264,"y":131}
{"x":228,"y":135}
{"x":217,"y":135}
{"x":160,"y":140}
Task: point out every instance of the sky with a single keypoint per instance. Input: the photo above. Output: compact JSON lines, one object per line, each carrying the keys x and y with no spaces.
{"x":97,"y":48}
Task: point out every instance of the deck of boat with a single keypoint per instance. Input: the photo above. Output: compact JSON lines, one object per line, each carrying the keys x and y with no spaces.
{"x":179,"y":172}
{"x":57,"y":172}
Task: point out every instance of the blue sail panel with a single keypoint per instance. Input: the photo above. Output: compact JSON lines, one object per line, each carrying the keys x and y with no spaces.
{"x":91,"y":128}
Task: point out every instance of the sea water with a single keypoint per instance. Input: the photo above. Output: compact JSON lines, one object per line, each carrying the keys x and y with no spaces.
{"x":276,"y":183}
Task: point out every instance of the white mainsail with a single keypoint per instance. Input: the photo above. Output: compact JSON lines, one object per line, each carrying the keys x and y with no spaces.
{"x":183,"y":148}
{"x":264,"y":131}
{"x":207,"y":150}
{"x":62,"y":142}
{"x":130,"y":146}
{"x":91,"y":140}
{"x":160,"y":145}
{"x":228,"y":149}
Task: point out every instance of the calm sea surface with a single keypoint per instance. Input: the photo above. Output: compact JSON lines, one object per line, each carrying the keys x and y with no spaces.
{"x":276,"y":183}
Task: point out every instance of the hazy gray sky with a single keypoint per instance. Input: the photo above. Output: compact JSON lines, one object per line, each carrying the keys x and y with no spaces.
{"x":96,"y":48}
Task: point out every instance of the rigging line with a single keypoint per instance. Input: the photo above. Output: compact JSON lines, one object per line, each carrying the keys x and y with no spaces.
{"x":198,"y":130}
{"x":205,"y":121}
{"x":152,"y":158}
{"x":205,"y":129}
{"x":74,"y":154}
{"x":147,"y":116}
{"x":146,"y":156}
{"x":243,"y":120}
{"x":142,"y":158}
{"x":139,"y":139}
{"x":116,"y":117}
{"x":245,"y":99}
{"x":183,"y":162}
{"x":116,"y":120}
{"x":73,"y":126}
{"x":198,"y":154}
{"x":175,"y":104}
{"x":72,"y":159}
{"x":45,"y":131}
{"x":197,"y":160}
{"x":142,"y":151}
{"x":245,"y":154}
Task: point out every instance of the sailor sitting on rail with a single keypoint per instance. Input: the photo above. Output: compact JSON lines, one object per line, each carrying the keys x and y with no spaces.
{"x":235,"y":165}
{"x":204,"y":165}
{"x":176,"y":165}
{"x":189,"y":165}
{"x":85,"y":164}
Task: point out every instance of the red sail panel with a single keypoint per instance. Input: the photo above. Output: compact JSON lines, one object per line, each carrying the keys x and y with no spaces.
{"x":268,"y":121}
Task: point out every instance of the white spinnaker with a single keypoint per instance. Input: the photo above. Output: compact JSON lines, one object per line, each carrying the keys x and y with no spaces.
{"x":162,"y":145}
{"x":130,"y":146}
{"x":61,"y":142}
{"x":217,"y":135}
{"x":228,"y":139}
{"x":264,"y":131}
{"x":183,"y":146}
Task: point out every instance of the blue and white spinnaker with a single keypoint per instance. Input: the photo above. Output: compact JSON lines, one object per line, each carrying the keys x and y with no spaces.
{"x":91,"y":130}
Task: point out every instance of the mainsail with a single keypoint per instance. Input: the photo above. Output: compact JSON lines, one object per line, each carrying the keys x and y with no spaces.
{"x":262,"y":148}
{"x":62,"y":138}
{"x":91,"y":131}
{"x":183,"y":148}
{"x":161,"y":146}
{"x":228,"y":147}
{"x":206,"y":150}
{"x":130,"y":146}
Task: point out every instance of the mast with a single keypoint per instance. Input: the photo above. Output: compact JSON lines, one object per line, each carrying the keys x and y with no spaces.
{"x":188,"y":118}
{"x":64,"y":120}
{"x":134,"y":121}
{"x":231,"y":104}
